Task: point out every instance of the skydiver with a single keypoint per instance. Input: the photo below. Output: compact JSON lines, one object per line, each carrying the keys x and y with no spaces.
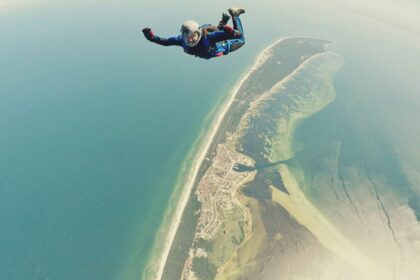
{"x":206,"y":41}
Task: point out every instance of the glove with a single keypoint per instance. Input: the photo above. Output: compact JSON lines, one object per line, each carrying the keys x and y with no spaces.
{"x":148,"y":33}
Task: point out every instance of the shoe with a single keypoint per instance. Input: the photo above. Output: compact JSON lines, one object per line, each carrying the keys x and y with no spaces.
{"x":225,"y":20}
{"x":236,"y":12}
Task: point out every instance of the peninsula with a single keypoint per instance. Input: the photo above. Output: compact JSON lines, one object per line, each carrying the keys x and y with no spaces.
{"x":216,"y":230}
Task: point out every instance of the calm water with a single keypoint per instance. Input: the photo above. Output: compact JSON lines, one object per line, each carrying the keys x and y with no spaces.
{"x":95,"y":122}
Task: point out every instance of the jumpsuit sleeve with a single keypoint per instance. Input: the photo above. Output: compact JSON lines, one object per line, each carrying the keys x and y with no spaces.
{"x":171,"y":41}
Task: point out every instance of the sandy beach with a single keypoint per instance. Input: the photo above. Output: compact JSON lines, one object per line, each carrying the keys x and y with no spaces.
{"x":157,"y":262}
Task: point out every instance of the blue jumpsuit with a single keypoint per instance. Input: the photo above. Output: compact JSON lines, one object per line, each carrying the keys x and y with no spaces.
{"x":215,"y":44}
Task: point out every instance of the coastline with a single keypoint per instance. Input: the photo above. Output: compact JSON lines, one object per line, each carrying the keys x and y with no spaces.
{"x":155,"y":271}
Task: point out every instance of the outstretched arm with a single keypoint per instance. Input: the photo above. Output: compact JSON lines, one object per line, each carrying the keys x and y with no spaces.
{"x":172,"y":41}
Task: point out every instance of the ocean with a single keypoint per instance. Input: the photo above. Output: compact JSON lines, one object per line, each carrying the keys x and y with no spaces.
{"x":95,"y":124}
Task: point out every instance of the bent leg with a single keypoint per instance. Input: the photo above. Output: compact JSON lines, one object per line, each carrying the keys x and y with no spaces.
{"x":237,"y":43}
{"x":237,"y":25}
{"x":231,"y":45}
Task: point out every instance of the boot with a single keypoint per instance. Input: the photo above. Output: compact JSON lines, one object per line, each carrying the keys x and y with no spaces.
{"x":236,"y":12}
{"x":225,"y":20}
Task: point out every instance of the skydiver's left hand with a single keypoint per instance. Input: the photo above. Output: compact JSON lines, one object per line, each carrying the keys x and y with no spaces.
{"x":148,"y":33}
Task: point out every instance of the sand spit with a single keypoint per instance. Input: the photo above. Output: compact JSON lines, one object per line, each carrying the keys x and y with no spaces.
{"x":157,"y":262}
{"x":298,"y":206}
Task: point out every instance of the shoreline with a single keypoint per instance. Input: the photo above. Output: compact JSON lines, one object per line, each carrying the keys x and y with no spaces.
{"x":157,"y":270}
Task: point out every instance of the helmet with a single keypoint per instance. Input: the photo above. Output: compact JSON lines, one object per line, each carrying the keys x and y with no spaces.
{"x":191,"y":33}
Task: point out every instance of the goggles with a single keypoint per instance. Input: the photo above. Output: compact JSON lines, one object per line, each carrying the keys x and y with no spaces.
{"x":191,"y":38}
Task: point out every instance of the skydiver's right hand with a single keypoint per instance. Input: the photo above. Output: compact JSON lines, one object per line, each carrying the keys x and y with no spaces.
{"x":148,"y":33}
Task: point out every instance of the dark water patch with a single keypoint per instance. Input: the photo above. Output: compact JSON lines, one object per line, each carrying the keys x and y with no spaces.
{"x":273,"y":178}
{"x":242,"y":168}
{"x":414,"y":204}
{"x":270,"y":165}
{"x":258,"y":188}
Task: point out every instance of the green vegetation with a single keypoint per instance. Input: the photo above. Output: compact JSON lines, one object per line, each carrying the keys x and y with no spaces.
{"x":228,"y":237}
{"x":204,"y":269}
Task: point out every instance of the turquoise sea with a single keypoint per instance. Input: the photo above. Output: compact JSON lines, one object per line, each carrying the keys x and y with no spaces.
{"x":95,"y":122}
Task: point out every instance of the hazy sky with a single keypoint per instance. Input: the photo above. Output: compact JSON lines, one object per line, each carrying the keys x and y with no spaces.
{"x":402,"y":13}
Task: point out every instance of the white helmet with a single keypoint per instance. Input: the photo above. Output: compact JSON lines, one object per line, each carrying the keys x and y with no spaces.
{"x":191,"y":33}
